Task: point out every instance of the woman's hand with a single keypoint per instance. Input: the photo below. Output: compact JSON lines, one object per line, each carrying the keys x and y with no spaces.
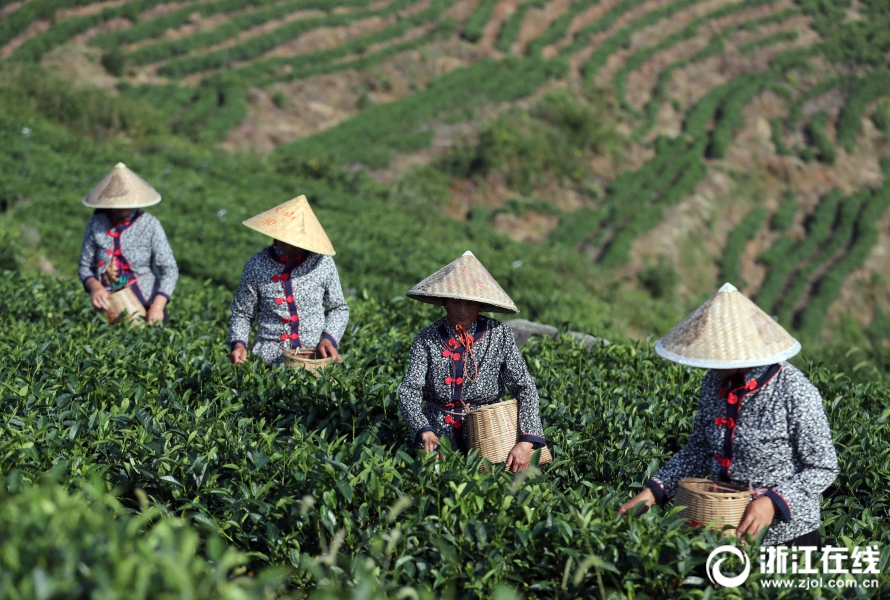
{"x":519,"y":456}
{"x":758,"y":515}
{"x":238,"y":355}
{"x":430,"y":441}
{"x":645,"y":496}
{"x":156,"y":310}
{"x":98,"y":294}
{"x":326,"y":350}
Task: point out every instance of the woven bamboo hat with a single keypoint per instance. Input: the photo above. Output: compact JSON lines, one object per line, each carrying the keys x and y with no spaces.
{"x":464,"y":279}
{"x":122,"y":188}
{"x":727,"y":332}
{"x":294,"y":223}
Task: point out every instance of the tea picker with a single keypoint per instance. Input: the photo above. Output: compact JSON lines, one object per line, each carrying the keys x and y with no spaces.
{"x":760,"y":432}
{"x":293,"y":289}
{"x":126,"y":263}
{"x":462,"y":365}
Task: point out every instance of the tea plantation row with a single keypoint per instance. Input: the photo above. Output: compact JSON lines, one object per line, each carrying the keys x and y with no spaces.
{"x":315,"y":476}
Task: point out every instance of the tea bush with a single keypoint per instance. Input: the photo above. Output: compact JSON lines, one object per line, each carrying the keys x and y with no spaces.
{"x":250,"y":48}
{"x":478,"y":19}
{"x":510,"y":29}
{"x":316,"y":477}
{"x":815,"y":130}
{"x":87,"y":544}
{"x":745,"y":231}
{"x":785,"y":255}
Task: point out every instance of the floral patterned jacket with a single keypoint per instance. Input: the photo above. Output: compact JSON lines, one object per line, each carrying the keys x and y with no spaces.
{"x":435,"y":386}
{"x":769,"y":430}
{"x":297,"y":303}
{"x":139,"y":247}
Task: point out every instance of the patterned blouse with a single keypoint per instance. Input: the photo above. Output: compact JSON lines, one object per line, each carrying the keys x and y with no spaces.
{"x":135,"y":244}
{"x":766,"y":429}
{"x":289,"y":300}
{"x":437,"y":382}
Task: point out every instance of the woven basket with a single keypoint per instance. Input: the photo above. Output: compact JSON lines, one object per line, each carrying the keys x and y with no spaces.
{"x":494,"y":429}
{"x":704,"y":506}
{"x":306,"y":358}
{"x":124,"y":301}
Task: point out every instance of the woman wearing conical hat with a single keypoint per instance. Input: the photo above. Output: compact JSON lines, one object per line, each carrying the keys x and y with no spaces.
{"x":291,"y":287}
{"x":124,"y":246}
{"x":465,"y":360}
{"x":760,"y":422}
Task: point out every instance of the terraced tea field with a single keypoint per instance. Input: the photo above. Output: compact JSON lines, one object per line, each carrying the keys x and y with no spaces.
{"x":717,"y":109}
{"x":610,"y":161}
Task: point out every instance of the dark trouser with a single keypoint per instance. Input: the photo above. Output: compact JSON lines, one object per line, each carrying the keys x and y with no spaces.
{"x":813,"y":538}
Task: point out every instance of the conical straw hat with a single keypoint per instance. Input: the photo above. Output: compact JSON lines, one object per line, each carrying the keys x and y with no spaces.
{"x":122,"y":188}
{"x":294,"y":223}
{"x":727,"y":332}
{"x":464,"y":279}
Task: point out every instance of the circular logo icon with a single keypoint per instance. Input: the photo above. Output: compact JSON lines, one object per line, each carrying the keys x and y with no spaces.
{"x":719,"y":578}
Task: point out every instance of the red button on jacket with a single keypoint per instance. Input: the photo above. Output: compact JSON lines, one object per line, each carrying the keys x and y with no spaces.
{"x":279,"y":300}
{"x":285,"y":277}
{"x":446,"y":353}
{"x":294,"y":336}
{"x":455,"y":356}
{"x":284,"y":336}
{"x":732,"y":399}
{"x":290,"y":298}
{"x":276,"y":278}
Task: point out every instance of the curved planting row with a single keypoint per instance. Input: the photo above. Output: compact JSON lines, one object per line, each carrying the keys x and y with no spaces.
{"x":559,"y":28}
{"x":827,"y":289}
{"x":402,"y":126}
{"x":186,"y":47}
{"x":815,"y":131}
{"x":638,"y":58}
{"x":280,"y":68}
{"x":841,"y":234}
{"x":28,"y":13}
{"x":509,"y":32}
{"x":767,"y":40}
{"x":714,"y":47}
{"x":62,"y":31}
{"x":730,"y":117}
{"x":621,"y":38}
{"x":478,"y":19}
{"x":775,"y":127}
{"x":785,"y":255}
{"x":865,"y":90}
{"x":148,"y":29}
{"x":795,"y":109}
{"x":258,"y":46}
{"x":581,"y":38}
{"x":741,"y":234}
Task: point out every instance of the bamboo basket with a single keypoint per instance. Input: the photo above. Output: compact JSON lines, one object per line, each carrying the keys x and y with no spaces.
{"x":494,"y":429}
{"x":306,"y":358}
{"x":124,"y":301}
{"x":704,"y":505}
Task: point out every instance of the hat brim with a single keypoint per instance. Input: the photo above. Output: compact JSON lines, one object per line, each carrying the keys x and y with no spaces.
{"x":440,"y":301}
{"x":137,"y":205}
{"x":707,"y":363}
{"x":301,"y":246}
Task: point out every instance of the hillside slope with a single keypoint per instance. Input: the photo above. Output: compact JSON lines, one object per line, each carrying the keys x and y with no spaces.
{"x":686,"y":140}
